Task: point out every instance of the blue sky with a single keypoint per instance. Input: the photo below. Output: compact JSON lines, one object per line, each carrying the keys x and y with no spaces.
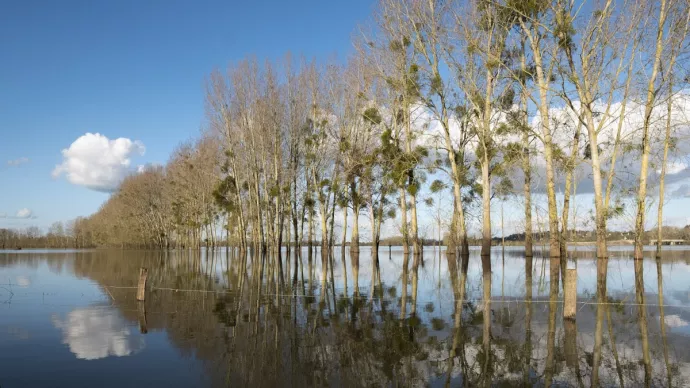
{"x":131,"y":69}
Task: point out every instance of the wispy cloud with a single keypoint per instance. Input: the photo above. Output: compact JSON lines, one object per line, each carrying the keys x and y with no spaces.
{"x":24,"y":213}
{"x":21,"y":214}
{"x":683,"y":191}
{"x":18,"y":162}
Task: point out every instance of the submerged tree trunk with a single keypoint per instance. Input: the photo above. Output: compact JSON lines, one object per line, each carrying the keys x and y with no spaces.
{"x":415,"y":283}
{"x":549,"y":367}
{"x":662,"y":320}
{"x":373,"y":215}
{"x":528,"y":323}
{"x":298,"y":245}
{"x":310,"y":254}
{"x":324,"y":247}
{"x":602,"y":307}
{"x":354,"y":259}
{"x":487,"y":364}
{"x":342,"y":248}
{"x":403,"y":297}
{"x":614,"y":348}
{"x":642,"y":320}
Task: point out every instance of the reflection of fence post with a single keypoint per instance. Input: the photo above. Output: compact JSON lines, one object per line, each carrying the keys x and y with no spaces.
{"x":142,"y":318}
{"x":141,"y":290}
{"x":570,"y":345}
{"x":570,"y":291}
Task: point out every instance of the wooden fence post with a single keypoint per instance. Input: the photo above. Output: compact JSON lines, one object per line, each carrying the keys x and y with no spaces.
{"x":141,"y":290}
{"x":570,"y":292}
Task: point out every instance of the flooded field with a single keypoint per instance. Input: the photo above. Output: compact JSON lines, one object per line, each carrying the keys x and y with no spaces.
{"x":71,"y":319}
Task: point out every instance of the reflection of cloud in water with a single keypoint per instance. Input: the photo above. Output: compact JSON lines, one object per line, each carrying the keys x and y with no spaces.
{"x":23,"y":281}
{"x":675,"y":321}
{"x":97,"y":332}
{"x":15,"y":332}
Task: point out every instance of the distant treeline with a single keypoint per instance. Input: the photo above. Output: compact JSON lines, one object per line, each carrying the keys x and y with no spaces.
{"x":73,"y":235}
{"x":668,"y":232}
{"x":68,"y":235}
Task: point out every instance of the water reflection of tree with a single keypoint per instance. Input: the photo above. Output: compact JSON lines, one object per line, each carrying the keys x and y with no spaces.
{"x":279,"y":335}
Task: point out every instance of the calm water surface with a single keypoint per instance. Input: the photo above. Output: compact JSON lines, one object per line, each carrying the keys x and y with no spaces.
{"x":70,"y":319}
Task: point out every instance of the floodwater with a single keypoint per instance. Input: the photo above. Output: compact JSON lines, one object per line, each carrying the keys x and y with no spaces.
{"x":70,"y":319}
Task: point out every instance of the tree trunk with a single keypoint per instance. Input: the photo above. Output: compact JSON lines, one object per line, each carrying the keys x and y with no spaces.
{"x":374,"y":248}
{"x":298,"y":245}
{"x":458,"y":211}
{"x":414,"y":228}
{"x":617,"y":141}
{"x":584,"y":91}
{"x":600,"y":210}
{"x":526,"y":166}
{"x":459,"y":217}
{"x":310,"y":255}
{"x":354,"y":238}
{"x":403,"y":221}
{"x":570,"y":168}
{"x":486,"y":207}
{"x":527,"y":192}
{"x":354,"y":259}
{"x":354,"y":247}
{"x":543,"y":106}
{"x":662,"y":178}
{"x":324,"y":247}
{"x":649,"y":106}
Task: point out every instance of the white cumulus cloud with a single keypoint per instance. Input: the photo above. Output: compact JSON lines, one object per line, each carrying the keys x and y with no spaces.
{"x":24,"y":213}
{"x":98,"y":332}
{"x":96,"y":162}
